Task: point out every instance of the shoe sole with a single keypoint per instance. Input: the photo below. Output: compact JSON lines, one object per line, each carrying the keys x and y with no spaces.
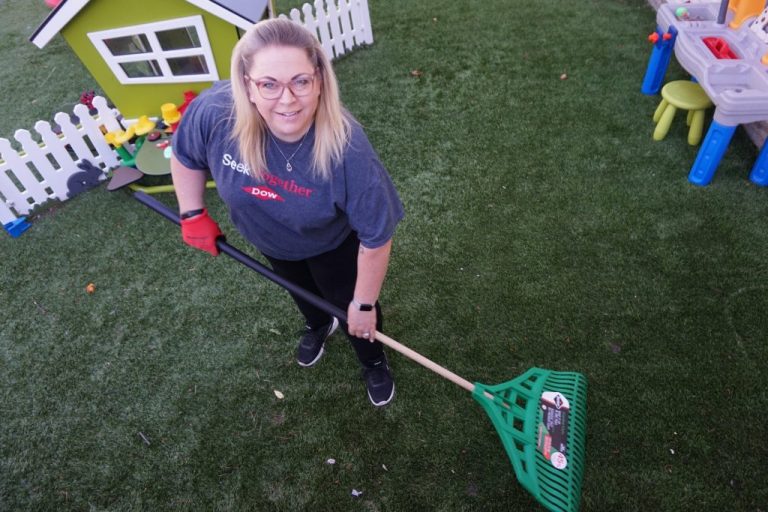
{"x":322,"y":348}
{"x":385,"y":402}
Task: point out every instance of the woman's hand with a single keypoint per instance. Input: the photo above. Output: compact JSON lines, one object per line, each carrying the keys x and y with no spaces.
{"x":361,"y":324}
{"x":201,"y":232}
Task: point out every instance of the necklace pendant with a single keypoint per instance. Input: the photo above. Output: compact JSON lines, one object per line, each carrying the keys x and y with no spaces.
{"x":288,"y":166}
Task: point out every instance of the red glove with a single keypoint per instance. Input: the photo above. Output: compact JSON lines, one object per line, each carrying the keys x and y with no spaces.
{"x":201,"y":232}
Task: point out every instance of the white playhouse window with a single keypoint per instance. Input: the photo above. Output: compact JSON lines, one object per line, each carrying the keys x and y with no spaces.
{"x":164,"y":52}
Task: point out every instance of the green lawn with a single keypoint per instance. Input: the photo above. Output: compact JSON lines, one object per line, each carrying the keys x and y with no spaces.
{"x":544,"y":228}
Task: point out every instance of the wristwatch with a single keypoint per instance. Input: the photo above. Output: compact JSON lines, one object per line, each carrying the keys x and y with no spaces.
{"x":362,"y":307}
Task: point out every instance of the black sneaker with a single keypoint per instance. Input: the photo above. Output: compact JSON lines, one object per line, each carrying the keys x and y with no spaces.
{"x":311,"y":345}
{"x":378,"y":380}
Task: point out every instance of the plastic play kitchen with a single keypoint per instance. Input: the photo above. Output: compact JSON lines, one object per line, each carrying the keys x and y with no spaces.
{"x":724,"y":46}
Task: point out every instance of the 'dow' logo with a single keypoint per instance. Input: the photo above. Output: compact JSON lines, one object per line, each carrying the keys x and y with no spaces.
{"x":263,"y":193}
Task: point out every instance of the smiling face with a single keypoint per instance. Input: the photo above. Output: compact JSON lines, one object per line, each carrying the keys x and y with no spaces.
{"x":288,"y":116}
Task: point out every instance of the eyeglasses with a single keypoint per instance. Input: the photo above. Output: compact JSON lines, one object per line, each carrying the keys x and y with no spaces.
{"x":272,"y":89}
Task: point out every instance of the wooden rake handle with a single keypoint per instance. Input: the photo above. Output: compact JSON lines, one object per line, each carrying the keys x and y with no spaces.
{"x":313,"y":299}
{"x":423,"y":361}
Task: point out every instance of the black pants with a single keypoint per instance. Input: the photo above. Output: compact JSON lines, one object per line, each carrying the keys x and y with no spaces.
{"x":332,"y":276}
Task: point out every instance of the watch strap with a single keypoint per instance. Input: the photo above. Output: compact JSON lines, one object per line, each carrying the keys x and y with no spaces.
{"x":362,"y":306}
{"x":192,"y":213}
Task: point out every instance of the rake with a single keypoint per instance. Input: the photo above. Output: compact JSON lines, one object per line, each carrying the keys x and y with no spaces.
{"x":541,"y":415}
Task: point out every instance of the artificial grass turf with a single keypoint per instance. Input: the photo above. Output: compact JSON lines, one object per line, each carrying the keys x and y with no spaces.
{"x":544,"y":228}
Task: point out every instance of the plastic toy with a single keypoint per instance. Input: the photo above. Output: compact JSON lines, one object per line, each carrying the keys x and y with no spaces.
{"x":86,"y":98}
{"x":147,"y":158}
{"x":117,"y":139}
{"x":151,"y":158}
{"x":722,"y":12}
{"x":730,"y":70}
{"x":89,"y":177}
{"x":171,"y":115}
{"x":188,"y":97}
{"x":719,"y":47}
{"x":743,"y":10}
{"x":123,"y":176}
{"x":760,"y":26}
{"x":659,"y":62}
{"x":17,"y":227}
{"x":686,"y":95}
{"x":142,"y":128}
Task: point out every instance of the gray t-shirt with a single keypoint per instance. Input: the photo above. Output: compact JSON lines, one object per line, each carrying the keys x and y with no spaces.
{"x":290,"y":215}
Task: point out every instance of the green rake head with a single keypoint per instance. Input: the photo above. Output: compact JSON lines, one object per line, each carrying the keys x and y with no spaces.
{"x":541,"y":417}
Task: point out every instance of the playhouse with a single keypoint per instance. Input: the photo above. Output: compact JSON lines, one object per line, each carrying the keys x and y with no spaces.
{"x":146,"y":53}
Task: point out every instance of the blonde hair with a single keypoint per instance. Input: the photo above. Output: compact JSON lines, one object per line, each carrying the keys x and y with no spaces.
{"x":332,"y":125}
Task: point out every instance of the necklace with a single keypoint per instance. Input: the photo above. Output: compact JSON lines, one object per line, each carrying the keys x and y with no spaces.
{"x":288,"y":166}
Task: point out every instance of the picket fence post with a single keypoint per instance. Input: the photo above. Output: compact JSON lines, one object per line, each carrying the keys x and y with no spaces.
{"x":340,"y":26}
{"x":39,"y":171}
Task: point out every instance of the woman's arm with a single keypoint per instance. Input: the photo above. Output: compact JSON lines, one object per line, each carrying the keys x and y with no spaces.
{"x":189,"y":185}
{"x":371,"y":269}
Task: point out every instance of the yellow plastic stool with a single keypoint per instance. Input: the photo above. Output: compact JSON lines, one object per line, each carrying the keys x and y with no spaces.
{"x":688,"y":96}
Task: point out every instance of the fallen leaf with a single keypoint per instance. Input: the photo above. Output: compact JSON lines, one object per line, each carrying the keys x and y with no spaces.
{"x":385,"y":467}
{"x":416,"y":73}
{"x":356,"y":493}
{"x":275,"y":331}
{"x":564,"y":77}
{"x":331,"y":462}
{"x":279,"y":395}
{"x":90,"y":288}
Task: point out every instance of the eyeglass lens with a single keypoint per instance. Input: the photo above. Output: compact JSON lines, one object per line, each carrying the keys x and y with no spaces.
{"x":272,"y":89}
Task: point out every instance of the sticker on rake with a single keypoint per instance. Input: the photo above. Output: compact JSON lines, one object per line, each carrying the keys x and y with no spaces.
{"x":553,"y":429}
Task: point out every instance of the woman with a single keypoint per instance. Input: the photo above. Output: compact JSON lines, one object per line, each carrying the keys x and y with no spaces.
{"x":301,"y":182}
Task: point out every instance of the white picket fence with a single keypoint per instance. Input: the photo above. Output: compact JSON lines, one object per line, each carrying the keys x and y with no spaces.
{"x":339,"y":26}
{"x":39,"y":172}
